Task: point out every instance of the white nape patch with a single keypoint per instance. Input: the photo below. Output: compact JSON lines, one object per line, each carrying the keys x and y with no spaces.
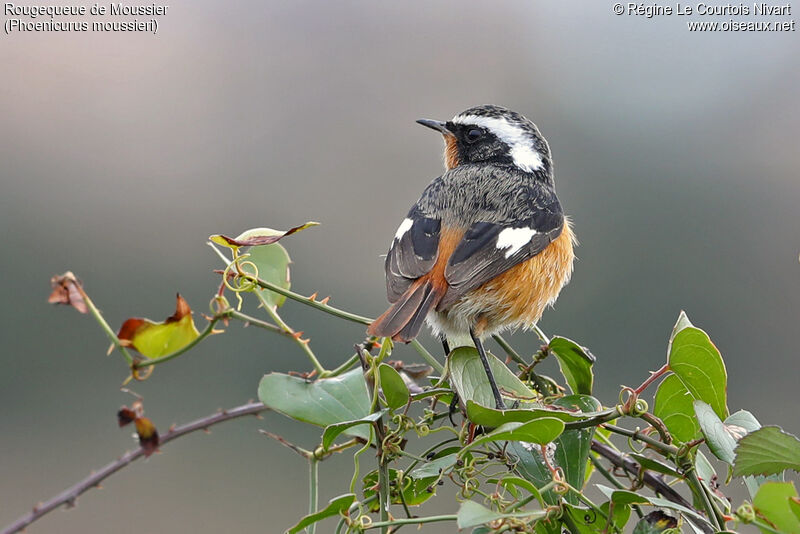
{"x":524,"y":155}
{"x":405,"y":226}
{"x":514,"y":239}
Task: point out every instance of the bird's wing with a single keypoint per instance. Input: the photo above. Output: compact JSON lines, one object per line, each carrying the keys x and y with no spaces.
{"x":489,"y":249}
{"x":412,"y":254}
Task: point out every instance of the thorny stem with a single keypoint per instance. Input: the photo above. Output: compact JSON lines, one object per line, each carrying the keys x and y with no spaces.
{"x":697,"y":489}
{"x":105,"y":326}
{"x":336,"y":312}
{"x":655,"y":375}
{"x":663,"y":448}
{"x":303,"y":344}
{"x":344,"y":367}
{"x":248,"y":320}
{"x":308,"y":301}
{"x":70,"y":495}
{"x":413,"y":521}
{"x":542,"y":336}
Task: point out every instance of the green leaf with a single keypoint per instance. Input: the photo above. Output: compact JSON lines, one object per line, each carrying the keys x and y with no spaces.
{"x":472,"y":514}
{"x":772,"y":502}
{"x":572,"y":447}
{"x":491,"y":417}
{"x":469,"y":378}
{"x":744,"y":420}
{"x":698,"y":364}
{"x":334,"y":430}
{"x":435,"y":467}
{"x":673,"y":405}
{"x":570,"y":452}
{"x":335,"y":507}
{"x":588,"y":521}
{"x":624,"y":496}
{"x":272,"y":262}
{"x":705,"y":471}
{"x":575,"y":363}
{"x":415,"y":491}
{"x":510,"y":483}
{"x":794,"y":506}
{"x":767,"y":451}
{"x":323,"y":402}
{"x":718,"y":439}
{"x":152,"y":339}
{"x":654,"y":465}
{"x":539,"y":431}
{"x":620,"y":514}
{"x":393,"y":386}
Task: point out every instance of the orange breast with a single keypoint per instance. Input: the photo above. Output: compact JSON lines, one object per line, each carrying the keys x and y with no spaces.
{"x":519,"y":296}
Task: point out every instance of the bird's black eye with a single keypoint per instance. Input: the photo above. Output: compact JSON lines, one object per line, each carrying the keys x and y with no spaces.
{"x":474,"y":134}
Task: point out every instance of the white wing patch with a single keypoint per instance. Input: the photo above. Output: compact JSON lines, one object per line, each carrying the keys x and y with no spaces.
{"x":524,"y":155}
{"x":514,"y":239}
{"x":405,"y":226}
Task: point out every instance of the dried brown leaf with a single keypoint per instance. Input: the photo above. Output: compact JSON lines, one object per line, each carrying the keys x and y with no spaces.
{"x":67,"y":289}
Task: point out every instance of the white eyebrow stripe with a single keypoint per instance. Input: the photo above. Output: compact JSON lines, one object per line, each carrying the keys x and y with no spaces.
{"x":523,"y":154}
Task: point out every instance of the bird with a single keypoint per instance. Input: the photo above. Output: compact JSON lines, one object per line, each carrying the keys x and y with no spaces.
{"x":487,"y":247}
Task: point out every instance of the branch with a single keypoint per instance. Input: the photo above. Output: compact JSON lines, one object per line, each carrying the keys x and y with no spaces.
{"x":70,"y":495}
{"x":653,"y":481}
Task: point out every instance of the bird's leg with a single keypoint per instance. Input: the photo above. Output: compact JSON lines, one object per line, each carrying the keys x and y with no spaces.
{"x":485,"y":360}
{"x":453,"y":403}
{"x":445,"y":346}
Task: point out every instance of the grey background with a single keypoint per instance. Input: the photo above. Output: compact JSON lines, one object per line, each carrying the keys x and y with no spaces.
{"x":676,"y":155}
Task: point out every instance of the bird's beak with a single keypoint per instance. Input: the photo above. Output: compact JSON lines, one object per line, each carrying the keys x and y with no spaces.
{"x":439,"y":126}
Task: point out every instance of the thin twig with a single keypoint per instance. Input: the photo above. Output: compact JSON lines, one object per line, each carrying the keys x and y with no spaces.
{"x":70,"y":495}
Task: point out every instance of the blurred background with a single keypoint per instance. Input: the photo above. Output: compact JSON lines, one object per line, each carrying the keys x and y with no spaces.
{"x":676,"y":155}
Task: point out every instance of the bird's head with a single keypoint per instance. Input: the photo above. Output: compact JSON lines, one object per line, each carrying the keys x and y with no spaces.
{"x":493,"y":134}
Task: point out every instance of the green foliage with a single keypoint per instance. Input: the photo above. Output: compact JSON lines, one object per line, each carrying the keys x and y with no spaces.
{"x":323,"y":402}
{"x":575,"y":362}
{"x":472,"y":514}
{"x":522,"y":469}
{"x":674,"y":407}
{"x":776,"y":502}
{"x":697,"y":362}
{"x":767,"y":451}
{"x":335,"y":507}
{"x":469,"y":378}
{"x":272,"y":264}
{"x":393,"y":386}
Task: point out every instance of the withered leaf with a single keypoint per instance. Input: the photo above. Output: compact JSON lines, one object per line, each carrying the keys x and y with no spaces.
{"x":148,"y":435}
{"x":152,"y":339}
{"x":67,"y":290}
{"x":257,"y":236}
{"x":125,"y":416}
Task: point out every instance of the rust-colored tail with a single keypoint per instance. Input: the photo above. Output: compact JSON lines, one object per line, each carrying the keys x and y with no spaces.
{"x":404,"y":319}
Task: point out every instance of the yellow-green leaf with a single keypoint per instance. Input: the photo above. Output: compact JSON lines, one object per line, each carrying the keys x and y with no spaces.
{"x":154,"y":340}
